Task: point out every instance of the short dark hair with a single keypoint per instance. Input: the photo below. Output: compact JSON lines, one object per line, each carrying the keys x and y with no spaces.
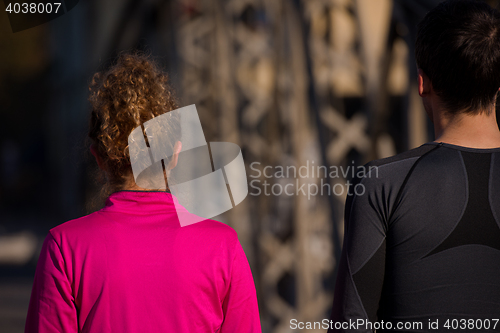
{"x":458,"y":48}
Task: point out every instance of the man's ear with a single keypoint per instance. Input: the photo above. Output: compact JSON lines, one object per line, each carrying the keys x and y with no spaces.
{"x":424,"y":84}
{"x":93,"y":151}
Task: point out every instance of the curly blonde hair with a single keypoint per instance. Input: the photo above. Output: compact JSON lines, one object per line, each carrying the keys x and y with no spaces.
{"x":129,"y":93}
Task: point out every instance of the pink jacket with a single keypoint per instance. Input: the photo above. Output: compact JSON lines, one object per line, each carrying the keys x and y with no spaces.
{"x":130,"y":267}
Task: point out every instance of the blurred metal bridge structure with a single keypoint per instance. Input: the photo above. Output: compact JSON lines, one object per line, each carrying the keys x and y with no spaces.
{"x":295,"y":83}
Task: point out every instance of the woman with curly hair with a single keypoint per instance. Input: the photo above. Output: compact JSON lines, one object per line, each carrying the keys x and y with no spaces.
{"x":131,"y":267}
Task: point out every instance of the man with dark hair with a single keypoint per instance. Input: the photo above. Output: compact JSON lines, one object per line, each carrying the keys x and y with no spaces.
{"x":422,"y":244}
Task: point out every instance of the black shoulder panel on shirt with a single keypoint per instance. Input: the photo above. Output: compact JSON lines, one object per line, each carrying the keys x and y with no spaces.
{"x":416,"y":152}
{"x":398,"y":197}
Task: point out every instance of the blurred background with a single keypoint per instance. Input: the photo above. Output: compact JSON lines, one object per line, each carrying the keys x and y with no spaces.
{"x":330,"y":82}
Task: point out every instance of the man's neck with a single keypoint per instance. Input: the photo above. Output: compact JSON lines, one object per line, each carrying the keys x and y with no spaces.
{"x":475,"y":131}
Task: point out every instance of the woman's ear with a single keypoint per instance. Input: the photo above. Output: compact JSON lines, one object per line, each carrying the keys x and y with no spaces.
{"x":93,"y":151}
{"x":173,"y":162}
